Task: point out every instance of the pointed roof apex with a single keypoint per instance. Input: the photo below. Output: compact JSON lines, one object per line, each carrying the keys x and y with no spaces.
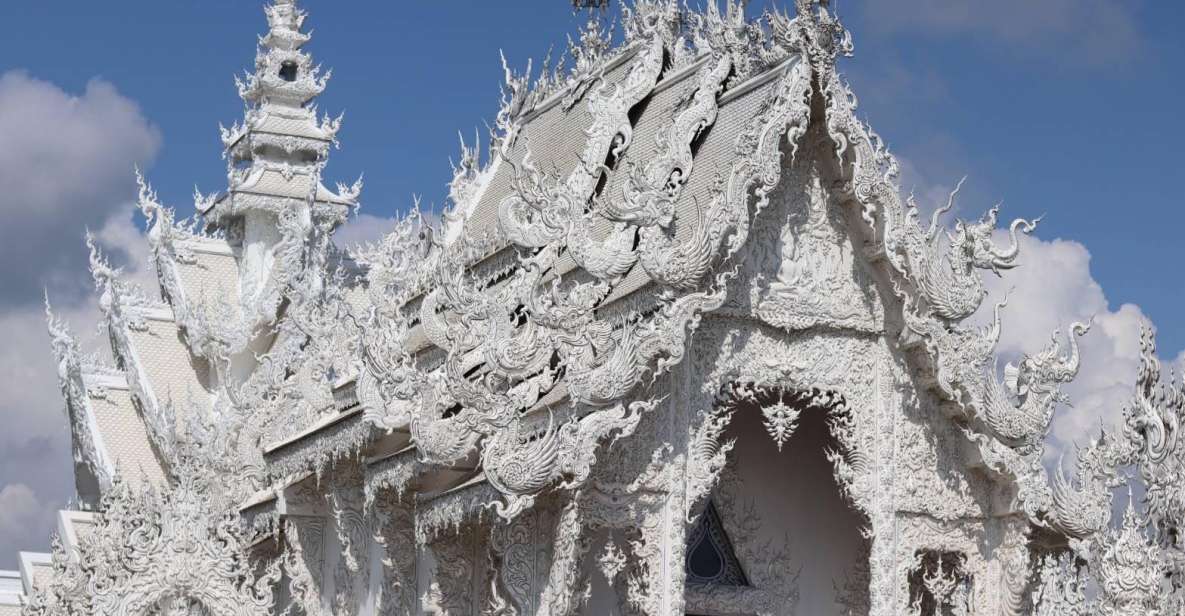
{"x":284,"y":21}
{"x":276,"y":154}
{"x":101,"y":269}
{"x":284,"y":74}
{"x":59,"y":332}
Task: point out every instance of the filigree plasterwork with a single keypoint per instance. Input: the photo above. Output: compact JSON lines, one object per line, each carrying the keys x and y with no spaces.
{"x":865,"y":424}
{"x":770,"y":567}
{"x":942,"y":562}
{"x":212,"y":329}
{"x":611,"y":561}
{"x":280,"y":49}
{"x":462,"y":579}
{"x":523,"y":558}
{"x":649,"y":195}
{"x":707,"y":454}
{"x":1118,"y":571}
{"x":1060,"y":589}
{"x":392,"y":475}
{"x":780,"y":421}
{"x":1152,"y":425}
{"x":931,"y":459}
{"x":1129,"y":570}
{"x":1019,"y":410}
{"x":346,"y":436}
{"x":172,"y":549}
{"x":394,"y":531}
{"x":345,"y":501}
{"x":939,"y":584}
{"x":303,"y":562}
{"x":1125,"y":557}
{"x":126,"y":308}
{"x":602,"y":361}
{"x":814,"y":278}
{"x":451,"y":512}
{"x":936,"y":277}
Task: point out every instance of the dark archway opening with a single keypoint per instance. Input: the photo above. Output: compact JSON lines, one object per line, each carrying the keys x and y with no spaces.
{"x":788,"y":500}
{"x":288,"y":71}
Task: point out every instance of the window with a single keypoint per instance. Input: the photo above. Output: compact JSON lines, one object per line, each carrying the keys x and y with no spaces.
{"x":710,"y":558}
{"x":288,"y":71}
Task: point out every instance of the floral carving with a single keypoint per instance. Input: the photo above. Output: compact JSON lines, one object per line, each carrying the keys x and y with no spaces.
{"x":171,"y":550}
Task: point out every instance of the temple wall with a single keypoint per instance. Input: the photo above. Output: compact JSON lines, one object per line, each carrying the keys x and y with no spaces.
{"x":604,"y":598}
{"x":808,"y":313}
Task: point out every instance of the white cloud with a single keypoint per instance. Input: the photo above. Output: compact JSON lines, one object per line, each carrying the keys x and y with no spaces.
{"x":1051,"y":289}
{"x":20,"y":511}
{"x":1093,"y":32}
{"x":363,"y":228}
{"x":67,"y":164}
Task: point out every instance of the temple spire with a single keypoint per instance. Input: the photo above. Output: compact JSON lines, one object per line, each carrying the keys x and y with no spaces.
{"x":275,"y":159}
{"x":284,"y":73}
{"x":276,"y":155}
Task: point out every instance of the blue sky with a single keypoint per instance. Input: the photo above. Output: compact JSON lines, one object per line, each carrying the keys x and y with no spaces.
{"x":1068,"y":108}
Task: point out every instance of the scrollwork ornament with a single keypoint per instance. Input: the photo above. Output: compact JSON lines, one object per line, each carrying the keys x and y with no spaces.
{"x":166,"y":549}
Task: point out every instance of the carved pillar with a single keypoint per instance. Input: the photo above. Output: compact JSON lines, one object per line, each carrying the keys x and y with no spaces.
{"x":560,"y":596}
{"x":351,"y":565}
{"x":657,"y":586}
{"x":523,"y":551}
{"x":461,"y":576}
{"x":1011,"y":566}
{"x":873,"y":482}
{"x":304,"y":561}
{"x":394,"y":532}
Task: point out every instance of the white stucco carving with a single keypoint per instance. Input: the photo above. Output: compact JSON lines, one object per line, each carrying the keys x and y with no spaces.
{"x":682,"y":305}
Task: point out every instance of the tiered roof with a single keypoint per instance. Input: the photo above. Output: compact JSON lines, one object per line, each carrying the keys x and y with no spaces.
{"x":279,"y":150}
{"x":179,"y":362}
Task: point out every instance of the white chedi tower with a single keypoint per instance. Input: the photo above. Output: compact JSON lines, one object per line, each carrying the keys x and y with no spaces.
{"x":276,"y":208}
{"x":275,"y":200}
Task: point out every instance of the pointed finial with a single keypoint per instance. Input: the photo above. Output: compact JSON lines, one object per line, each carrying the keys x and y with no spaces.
{"x":65,"y":348}
{"x":55,"y":325}
{"x":104,"y":275}
{"x":284,"y":15}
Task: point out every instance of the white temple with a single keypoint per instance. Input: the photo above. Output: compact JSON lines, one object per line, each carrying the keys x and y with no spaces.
{"x":677,"y":346}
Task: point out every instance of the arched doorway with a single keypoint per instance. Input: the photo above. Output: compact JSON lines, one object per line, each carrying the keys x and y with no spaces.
{"x":776,"y":534}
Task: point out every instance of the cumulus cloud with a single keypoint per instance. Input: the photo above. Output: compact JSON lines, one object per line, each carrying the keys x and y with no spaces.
{"x":19,"y":509}
{"x":1050,"y":290}
{"x":36,"y":475}
{"x":1092,"y":32}
{"x":66,"y":165}
{"x":362,"y":228}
